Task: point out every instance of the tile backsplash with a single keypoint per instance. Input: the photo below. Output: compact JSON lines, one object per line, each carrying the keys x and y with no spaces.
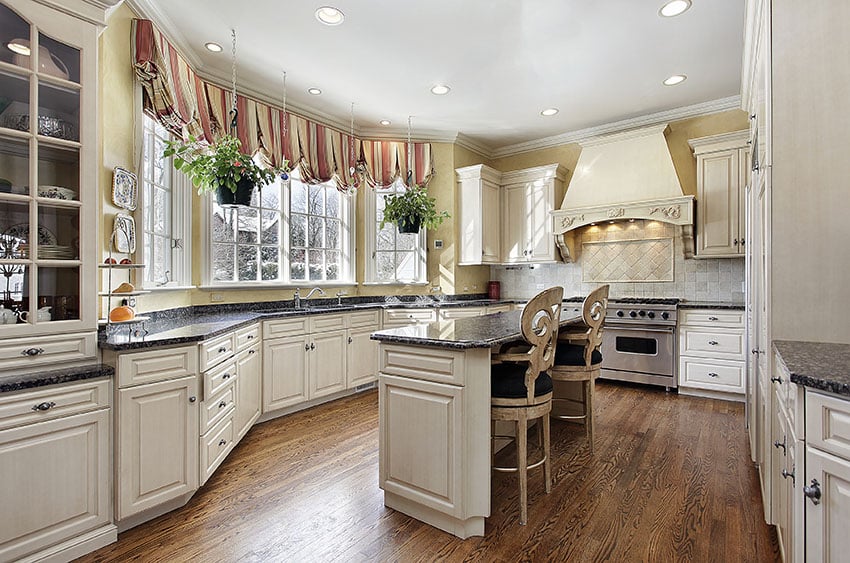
{"x":719,"y":279}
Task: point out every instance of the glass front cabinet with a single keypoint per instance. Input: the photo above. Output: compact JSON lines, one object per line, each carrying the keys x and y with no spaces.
{"x":48,"y":185}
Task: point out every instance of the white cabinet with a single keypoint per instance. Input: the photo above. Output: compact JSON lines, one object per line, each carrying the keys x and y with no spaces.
{"x":479,"y":215}
{"x":362,"y":355}
{"x":528,"y":198}
{"x":248,"y":390}
{"x":284,"y":371}
{"x":156,"y":444}
{"x":394,"y":318}
{"x":461,"y":312}
{"x":326,"y":361}
{"x":712,"y":360}
{"x":722,"y":175}
{"x":54,"y":459}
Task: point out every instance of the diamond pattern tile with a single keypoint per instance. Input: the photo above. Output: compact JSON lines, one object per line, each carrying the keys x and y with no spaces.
{"x":648,"y":260}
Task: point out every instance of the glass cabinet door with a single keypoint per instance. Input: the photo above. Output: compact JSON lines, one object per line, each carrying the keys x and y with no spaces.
{"x":40,"y":175}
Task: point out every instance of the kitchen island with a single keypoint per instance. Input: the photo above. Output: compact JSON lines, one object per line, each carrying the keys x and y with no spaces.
{"x":434,"y":417}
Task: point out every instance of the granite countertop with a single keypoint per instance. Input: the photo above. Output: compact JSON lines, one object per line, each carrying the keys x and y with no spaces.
{"x":474,"y":332}
{"x":208,"y":323}
{"x":9,"y":383}
{"x":711,"y":305}
{"x":819,"y":365}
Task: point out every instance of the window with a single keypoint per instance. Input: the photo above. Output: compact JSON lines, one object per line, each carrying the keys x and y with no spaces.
{"x":292,"y":232}
{"x":166,"y":213}
{"x":397,"y":257}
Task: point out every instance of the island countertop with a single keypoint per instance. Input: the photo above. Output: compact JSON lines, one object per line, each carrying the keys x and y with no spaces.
{"x":462,"y":334}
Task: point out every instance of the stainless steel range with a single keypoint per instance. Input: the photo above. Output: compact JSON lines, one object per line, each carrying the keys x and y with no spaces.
{"x":639,"y":341}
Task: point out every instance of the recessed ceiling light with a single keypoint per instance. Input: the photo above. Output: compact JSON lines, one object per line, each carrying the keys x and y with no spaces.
{"x":674,"y":8}
{"x":675,"y":79}
{"x":440,"y":89}
{"x":314,"y":91}
{"x":549,"y":111}
{"x":214,"y":47}
{"x":19,"y":46}
{"x":385,"y":122}
{"x":329,"y":15}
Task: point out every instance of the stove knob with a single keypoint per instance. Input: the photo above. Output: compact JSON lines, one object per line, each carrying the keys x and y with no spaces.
{"x":619,"y":313}
{"x":633,"y":314}
{"x":651,"y":314}
{"x":642,"y":313}
{"x":665,"y":315}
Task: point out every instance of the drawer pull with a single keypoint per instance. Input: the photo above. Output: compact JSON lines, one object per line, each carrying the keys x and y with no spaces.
{"x":226,"y":376}
{"x":713,"y":319}
{"x":712,"y":374}
{"x":785,"y":474}
{"x":45,"y":406}
{"x":813,"y":491}
{"x":312,"y":346}
{"x":222,"y":404}
{"x":192,"y":399}
{"x":713,"y":342}
{"x":350,"y":340}
{"x":776,"y":380}
{"x":32,"y":352}
{"x":222,"y":442}
{"x":777,"y":444}
{"x":250,"y":337}
{"x":252,"y":352}
{"x":222,"y":350}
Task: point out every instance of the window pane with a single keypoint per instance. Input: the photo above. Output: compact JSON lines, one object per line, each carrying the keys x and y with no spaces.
{"x":248,"y":226}
{"x":332,"y":202}
{"x":297,"y":267}
{"x":333,"y":264}
{"x":271,"y":227}
{"x":332,"y":232}
{"x":223,"y":262}
{"x":222,"y":228}
{"x":271,"y":196}
{"x":386,"y":238}
{"x":161,"y":263}
{"x":160,"y":209}
{"x":298,"y":231}
{"x":298,"y":197}
{"x":316,"y":264}
{"x":270,"y":256}
{"x":386,"y":265}
{"x":317,"y":200}
{"x":406,"y":268}
{"x":247,"y":263}
{"x":316,"y":237}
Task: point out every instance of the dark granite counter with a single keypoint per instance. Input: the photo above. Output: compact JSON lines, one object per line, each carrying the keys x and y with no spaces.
{"x":462,"y":334}
{"x":9,"y":383}
{"x":189,"y":325}
{"x":711,"y":305}
{"x":818,"y":365}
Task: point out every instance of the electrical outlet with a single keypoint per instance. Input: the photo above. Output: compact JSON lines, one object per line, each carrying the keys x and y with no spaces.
{"x":216,"y":297}
{"x":438,"y":244}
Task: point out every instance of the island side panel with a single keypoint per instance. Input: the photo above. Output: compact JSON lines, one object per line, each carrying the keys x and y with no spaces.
{"x":434,"y":435}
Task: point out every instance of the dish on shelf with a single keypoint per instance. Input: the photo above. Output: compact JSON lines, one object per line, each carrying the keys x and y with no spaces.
{"x":47,"y":126}
{"x":124,"y":233}
{"x":57,"y":192}
{"x":22,"y":231}
{"x":56,"y":252}
{"x":124,"y":188}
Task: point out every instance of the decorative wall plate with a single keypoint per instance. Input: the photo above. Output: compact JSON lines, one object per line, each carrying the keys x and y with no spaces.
{"x":124,"y":188}
{"x":22,"y":231}
{"x":124,"y":233}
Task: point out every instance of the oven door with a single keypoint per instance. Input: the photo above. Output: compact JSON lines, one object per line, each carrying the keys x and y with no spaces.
{"x":639,"y":350}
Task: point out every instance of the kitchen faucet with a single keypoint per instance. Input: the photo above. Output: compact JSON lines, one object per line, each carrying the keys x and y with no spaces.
{"x":297,"y":296}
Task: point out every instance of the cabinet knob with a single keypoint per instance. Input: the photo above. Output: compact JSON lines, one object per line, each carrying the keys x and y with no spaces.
{"x":713,"y":319}
{"x":785,"y":474}
{"x":743,"y":242}
{"x":777,"y":444}
{"x":306,"y":347}
{"x":735,"y":242}
{"x":226,"y":376}
{"x":222,"y":404}
{"x":312,"y":346}
{"x":756,"y":351}
{"x":712,"y":342}
{"x":813,"y":491}
{"x":32,"y":352}
{"x":192,"y":399}
{"x":222,"y":442}
{"x":350,"y":340}
{"x":45,"y":406}
{"x":776,"y":380}
{"x":712,"y":374}
{"x":252,"y":352}
{"x":250,"y":337}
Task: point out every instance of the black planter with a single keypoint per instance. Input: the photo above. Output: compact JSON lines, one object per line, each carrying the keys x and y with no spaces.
{"x":412,"y":226}
{"x":242,"y":195}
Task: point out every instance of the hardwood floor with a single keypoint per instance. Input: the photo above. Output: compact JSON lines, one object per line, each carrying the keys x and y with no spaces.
{"x":669,"y":480}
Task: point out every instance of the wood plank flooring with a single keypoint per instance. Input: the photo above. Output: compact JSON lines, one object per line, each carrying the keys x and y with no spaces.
{"x":669,"y":480}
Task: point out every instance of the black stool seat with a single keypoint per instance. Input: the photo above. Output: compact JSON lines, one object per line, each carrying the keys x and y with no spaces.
{"x":507,"y":381}
{"x":573,"y":355}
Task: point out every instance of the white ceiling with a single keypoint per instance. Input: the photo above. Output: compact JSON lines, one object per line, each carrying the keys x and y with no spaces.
{"x":505,"y":60}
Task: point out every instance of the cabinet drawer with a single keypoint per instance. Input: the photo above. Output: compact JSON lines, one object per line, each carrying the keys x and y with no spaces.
{"x":461,"y":313}
{"x":217,"y":350}
{"x":324,"y":323}
{"x":280,"y":328}
{"x":61,"y":400}
{"x":401,"y":317}
{"x":157,"y":365}
{"x":712,"y":343}
{"x":442,"y":366}
{"x":828,"y":423}
{"x":40,"y":350}
{"x":217,"y":379}
{"x":218,"y":406}
{"x":364,"y":318}
{"x":712,"y":317}
{"x":500,"y":308}
{"x":214,"y":446}
{"x":247,"y":337}
{"x":719,"y":375}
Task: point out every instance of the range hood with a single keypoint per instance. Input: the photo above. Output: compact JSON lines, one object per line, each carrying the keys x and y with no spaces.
{"x":628,"y":175}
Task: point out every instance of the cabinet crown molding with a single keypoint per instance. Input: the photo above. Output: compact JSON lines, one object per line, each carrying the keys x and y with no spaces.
{"x":721,"y":142}
{"x":535,"y":173}
{"x":477,"y":171}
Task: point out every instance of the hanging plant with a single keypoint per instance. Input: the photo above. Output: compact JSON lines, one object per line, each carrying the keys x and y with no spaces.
{"x":412,"y":210}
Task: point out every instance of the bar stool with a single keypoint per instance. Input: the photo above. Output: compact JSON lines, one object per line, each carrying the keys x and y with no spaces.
{"x":521,"y":390}
{"x":578,"y":358}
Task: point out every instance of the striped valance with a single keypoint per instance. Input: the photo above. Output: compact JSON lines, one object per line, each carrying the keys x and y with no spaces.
{"x":187,"y":105}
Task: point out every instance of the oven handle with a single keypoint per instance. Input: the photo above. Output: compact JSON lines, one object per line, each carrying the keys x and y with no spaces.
{"x":670,"y":329}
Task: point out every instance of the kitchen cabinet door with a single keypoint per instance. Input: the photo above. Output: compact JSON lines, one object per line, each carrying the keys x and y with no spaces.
{"x":284,"y":372}
{"x":514,"y":224}
{"x":362,"y":357}
{"x":539,"y":204}
{"x":157,"y":442}
{"x":248,"y":390}
{"x":327,"y":357}
{"x":827,"y":537}
{"x":718,"y":202}
{"x":479,"y":215}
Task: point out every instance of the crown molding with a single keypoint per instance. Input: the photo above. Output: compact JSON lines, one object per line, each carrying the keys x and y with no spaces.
{"x":469,"y":143}
{"x":92,"y":11}
{"x":705,"y":108}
